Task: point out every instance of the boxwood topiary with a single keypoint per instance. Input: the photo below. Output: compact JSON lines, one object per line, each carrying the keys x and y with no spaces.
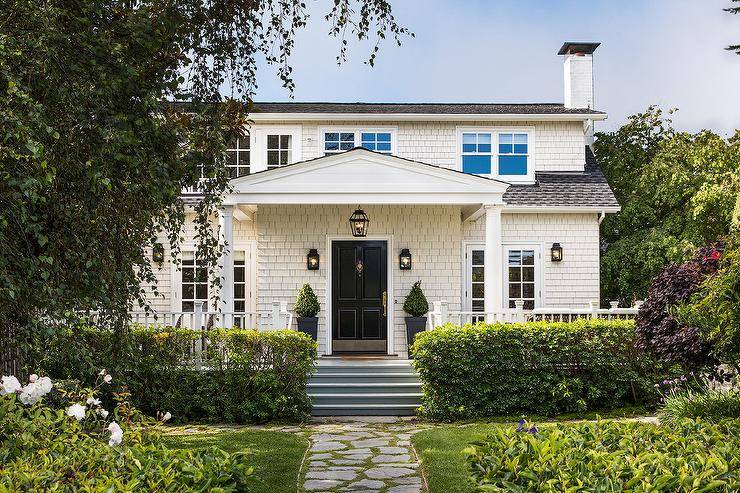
{"x":416,"y":303}
{"x":306,"y":304}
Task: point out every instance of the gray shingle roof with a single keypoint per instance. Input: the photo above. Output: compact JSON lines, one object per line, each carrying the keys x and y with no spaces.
{"x":420,"y":108}
{"x":587,"y":189}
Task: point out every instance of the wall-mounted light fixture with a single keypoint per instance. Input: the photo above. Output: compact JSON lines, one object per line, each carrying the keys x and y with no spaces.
{"x":158,"y":253}
{"x":556,"y":252}
{"x":404,"y":259}
{"x":359,"y":222}
{"x":312,"y":259}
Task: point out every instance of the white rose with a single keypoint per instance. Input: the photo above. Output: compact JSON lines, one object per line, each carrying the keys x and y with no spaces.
{"x":33,"y":392}
{"x":167,"y":416}
{"x":10,"y":385}
{"x":102,"y":372}
{"x":116,"y":434}
{"x":76,"y":411}
{"x":33,"y":377}
{"x":107,"y":379}
{"x":103,"y":412}
{"x":44,"y":385}
{"x":93,"y":401}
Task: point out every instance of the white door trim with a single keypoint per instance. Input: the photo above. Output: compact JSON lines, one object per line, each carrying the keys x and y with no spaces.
{"x":468,"y":246}
{"x":390,"y":333}
{"x":538,"y":269}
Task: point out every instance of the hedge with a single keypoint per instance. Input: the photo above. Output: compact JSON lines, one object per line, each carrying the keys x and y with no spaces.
{"x":247,"y":376}
{"x":540,"y":367}
{"x":689,"y":456}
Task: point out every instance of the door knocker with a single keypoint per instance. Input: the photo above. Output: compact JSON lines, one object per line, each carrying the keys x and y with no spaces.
{"x":359,"y":267}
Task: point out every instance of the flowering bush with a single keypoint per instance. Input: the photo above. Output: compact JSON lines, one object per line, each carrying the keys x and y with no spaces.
{"x":547,"y":368}
{"x":610,"y":457}
{"x":77,"y":448}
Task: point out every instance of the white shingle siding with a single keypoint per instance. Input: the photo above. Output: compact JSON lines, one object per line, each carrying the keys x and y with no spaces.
{"x":574,"y":281}
{"x":559,"y":146}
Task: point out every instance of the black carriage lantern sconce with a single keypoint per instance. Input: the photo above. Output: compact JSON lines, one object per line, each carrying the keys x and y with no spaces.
{"x":404,"y":259}
{"x":556,"y":252}
{"x":312,"y":259}
{"x":359,"y":222}
{"x":158,"y":253}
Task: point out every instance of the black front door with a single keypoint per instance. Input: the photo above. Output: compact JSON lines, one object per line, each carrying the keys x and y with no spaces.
{"x":359,"y":296}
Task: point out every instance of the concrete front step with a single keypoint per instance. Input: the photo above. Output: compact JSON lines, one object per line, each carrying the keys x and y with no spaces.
{"x":364,"y":387}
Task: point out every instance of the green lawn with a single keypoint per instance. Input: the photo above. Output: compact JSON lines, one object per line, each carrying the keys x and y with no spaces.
{"x":275,"y":456}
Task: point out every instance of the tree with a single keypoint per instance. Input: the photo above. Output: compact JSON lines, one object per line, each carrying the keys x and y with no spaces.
{"x":92,"y":162}
{"x":734,"y":10}
{"x":677,"y":192}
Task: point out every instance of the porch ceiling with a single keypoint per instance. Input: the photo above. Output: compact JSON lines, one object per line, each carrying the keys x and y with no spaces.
{"x":360,"y":176}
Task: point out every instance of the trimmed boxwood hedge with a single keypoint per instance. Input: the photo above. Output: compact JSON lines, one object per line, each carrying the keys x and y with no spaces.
{"x":540,"y":367}
{"x":252,"y":377}
{"x":687,"y":456}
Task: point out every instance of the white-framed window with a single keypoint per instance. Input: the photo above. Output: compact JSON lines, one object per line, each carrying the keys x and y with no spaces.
{"x":275,"y":146}
{"x":238,"y":156}
{"x":279,"y":150}
{"x":340,"y":139}
{"x":522,"y":265}
{"x":193,"y":282}
{"x":474,"y":280}
{"x":501,"y":153}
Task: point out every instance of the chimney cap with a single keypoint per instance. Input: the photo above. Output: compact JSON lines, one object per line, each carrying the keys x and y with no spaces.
{"x":570,"y":47}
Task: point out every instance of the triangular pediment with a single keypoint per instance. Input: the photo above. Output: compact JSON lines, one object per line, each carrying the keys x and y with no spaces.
{"x":360,"y":172}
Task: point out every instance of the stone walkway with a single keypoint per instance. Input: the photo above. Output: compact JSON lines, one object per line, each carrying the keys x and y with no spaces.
{"x":362,"y":456}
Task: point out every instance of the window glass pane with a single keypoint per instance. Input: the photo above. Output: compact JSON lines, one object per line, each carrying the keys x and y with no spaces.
{"x":188,"y":291}
{"x":384,"y":137}
{"x":384,"y":146}
{"x":505,"y":139}
{"x":515,"y":274}
{"x":331,"y":146}
{"x":515,"y":257}
{"x":188,"y":275}
{"x":478,"y":256}
{"x":331,"y":136}
{"x":369,"y":145}
{"x":484,"y":139}
{"x":520,"y":138}
{"x":512,"y":165}
{"x":477,"y":305}
{"x":273,"y":141}
{"x":239,"y":274}
{"x":239,"y":256}
{"x":484,"y":147}
{"x":528,"y":290}
{"x":469,"y":148}
{"x":528,"y":257}
{"x":188,"y":306}
{"x":347,"y":137}
{"x":273,"y":158}
{"x":284,"y":157}
{"x":477,"y":290}
{"x":477,"y":164}
{"x":520,"y":148}
{"x":515,"y":290}
{"x":231,"y":158}
{"x":346,"y":146}
{"x":187,"y":257}
{"x":469,"y":139}
{"x":239,"y":291}
{"x":505,"y":148}
{"x":201,"y":274}
{"x":232,"y":143}
{"x":477,"y":274}
{"x":529,"y":304}
{"x":528,"y":273}
{"x":201,"y":291}
{"x":239,"y":306}
{"x":285,"y":141}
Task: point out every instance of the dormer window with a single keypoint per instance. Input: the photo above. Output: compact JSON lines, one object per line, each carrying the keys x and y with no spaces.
{"x":503,"y":154}
{"x":476,"y":153}
{"x":238,"y":158}
{"x":512,"y":154}
{"x":377,"y":141}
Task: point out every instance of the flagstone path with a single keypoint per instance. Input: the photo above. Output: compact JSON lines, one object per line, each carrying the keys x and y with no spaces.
{"x":362,"y":456}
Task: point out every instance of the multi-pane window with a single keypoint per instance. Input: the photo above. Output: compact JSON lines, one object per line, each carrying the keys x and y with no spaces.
{"x":238,"y":157}
{"x":476,"y":153}
{"x":240,"y":281}
{"x":338,"y":142}
{"x":476,"y":287}
{"x":521,"y":278}
{"x":513,"y":150}
{"x":194,"y":282}
{"x":279,"y":150}
{"x":377,"y":141}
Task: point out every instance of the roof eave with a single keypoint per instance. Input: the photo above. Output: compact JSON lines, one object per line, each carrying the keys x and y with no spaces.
{"x":266,"y":117}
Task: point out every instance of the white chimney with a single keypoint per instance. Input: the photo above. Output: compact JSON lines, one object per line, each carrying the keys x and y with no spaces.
{"x":579,"y":74}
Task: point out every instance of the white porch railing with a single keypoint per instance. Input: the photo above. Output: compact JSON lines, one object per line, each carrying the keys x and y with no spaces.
{"x":277,"y":318}
{"x":441,"y":314}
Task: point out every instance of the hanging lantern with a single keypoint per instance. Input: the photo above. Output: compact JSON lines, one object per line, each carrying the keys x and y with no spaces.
{"x":359,"y":222}
{"x":556,"y":253}
{"x":404,"y":259}
{"x":158,"y":253}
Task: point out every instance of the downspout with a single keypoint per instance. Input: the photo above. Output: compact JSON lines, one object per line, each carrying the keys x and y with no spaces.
{"x":602,"y":215}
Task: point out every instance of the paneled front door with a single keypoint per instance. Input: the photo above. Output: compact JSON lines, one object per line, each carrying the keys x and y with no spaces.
{"x":359,"y":296}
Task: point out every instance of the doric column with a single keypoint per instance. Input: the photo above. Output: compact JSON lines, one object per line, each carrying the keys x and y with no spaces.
{"x":226,"y":224}
{"x":493,"y":262}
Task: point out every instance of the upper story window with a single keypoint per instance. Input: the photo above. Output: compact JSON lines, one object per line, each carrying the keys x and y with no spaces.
{"x":279,"y":150}
{"x":238,"y":157}
{"x":503,"y":154}
{"x":336,"y":140}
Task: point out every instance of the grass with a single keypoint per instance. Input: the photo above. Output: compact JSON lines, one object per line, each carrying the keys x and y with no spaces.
{"x":441,"y":449}
{"x":275,"y":456}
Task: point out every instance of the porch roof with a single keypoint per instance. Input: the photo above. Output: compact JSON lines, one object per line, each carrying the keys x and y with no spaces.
{"x":361,"y":176}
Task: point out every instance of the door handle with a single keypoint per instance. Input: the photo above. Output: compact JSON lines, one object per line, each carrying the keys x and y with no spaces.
{"x":385,"y":303}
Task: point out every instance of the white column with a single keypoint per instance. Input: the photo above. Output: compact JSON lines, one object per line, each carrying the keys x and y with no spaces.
{"x":226,"y":224}
{"x":493,"y":278}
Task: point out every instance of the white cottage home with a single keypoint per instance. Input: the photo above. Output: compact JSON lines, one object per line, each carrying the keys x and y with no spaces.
{"x":486,"y":204}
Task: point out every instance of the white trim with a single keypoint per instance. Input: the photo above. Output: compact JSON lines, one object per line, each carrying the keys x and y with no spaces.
{"x":538,"y":269}
{"x":390,"y":318}
{"x":358,"y":130}
{"x":436,"y":117}
{"x":259,"y":149}
{"x":495,"y":131}
{"x":250,"y":247}
{"x":468,"y":247}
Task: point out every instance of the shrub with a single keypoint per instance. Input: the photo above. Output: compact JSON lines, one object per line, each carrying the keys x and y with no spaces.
{"x":245,"y":376}
{"x":610,"y":457}
{"x":47,"y":449}
{"x":548,"y":368}
{"x":416,"y":303}
{"x":712,"y":405}
{"x":306,"y":304}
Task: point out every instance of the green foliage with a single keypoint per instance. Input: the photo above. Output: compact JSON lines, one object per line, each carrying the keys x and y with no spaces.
{"x":416,"y":303}
{"x":44,"y":449}
{"x":712,"y":405}
{"x":677,"y":192}
{"x":733,"y":10}
{"x":547,"y":368}
{"x":688,"y":456}
{"x":93,"y":156}
{"x":306,"y":304}
{"x":246,"y":376}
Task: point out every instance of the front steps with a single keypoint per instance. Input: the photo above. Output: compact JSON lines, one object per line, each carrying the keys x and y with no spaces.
{"x":364,"y":387}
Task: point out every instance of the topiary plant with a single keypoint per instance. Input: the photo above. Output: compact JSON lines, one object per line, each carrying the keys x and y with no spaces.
{"x":306,"y":304}
{"x":416,"y":303}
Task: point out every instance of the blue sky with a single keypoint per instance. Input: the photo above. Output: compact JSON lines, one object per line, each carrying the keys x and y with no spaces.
{"x":667,"y":52}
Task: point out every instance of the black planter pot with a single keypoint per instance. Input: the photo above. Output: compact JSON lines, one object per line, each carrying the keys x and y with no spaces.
{"x":309,"y":325}
{"x":414,"y":325}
